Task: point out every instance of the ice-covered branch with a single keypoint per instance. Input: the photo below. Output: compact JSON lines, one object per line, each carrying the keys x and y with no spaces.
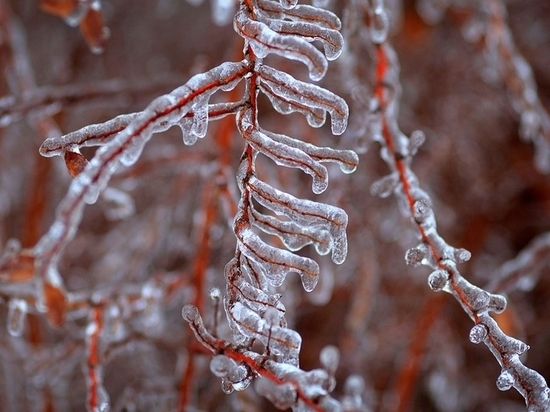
{"x":397,"y":151}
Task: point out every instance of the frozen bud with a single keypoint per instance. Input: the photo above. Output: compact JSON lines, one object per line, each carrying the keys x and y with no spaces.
{"x":190,"y":313}
{"x":505,"y":380}
{"x":462,"y":255}
{"x":415,"y":255}
{"x":75,"y":163}
{"x":421,"y":210}
{"x":478,"y":333}
{"x":330,"y":357}
{"x":215,"y":293}
{"x":385,"y":186}
{"x":438,"y":280}
{"x":416,"y":140}
{"x":497,"y":303}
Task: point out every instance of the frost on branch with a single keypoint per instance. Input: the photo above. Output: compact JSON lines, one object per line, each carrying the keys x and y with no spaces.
{"x":102,"y":311}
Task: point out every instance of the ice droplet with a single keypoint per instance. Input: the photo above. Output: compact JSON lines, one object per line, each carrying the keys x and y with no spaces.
{"x":505,"y":380}
{"x":415,"y":255}
{"x":478,"y":333}
{"x":186,"y":125}
{"x":462,"y":255}
{"x":190,"y":313}
{"x":200,"y":120}
{"x":309,"y":281}
{"x":17,"y":313}
{"x":438,"y":280}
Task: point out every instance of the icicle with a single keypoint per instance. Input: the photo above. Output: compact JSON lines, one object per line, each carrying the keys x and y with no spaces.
{"x":186,"y":125}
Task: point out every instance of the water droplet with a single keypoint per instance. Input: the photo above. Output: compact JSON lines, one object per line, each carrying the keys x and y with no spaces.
{"x":438,"y":280}
{"x":478,"y":333}
{"x":505,"y":381}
